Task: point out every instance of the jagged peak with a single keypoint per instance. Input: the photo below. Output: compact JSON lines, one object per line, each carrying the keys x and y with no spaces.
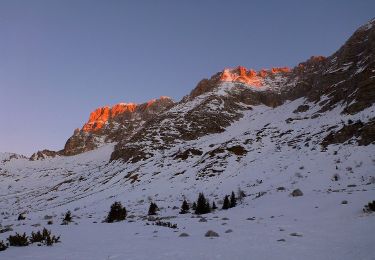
{"x":250,"y":76}
{"x":100,"y":116}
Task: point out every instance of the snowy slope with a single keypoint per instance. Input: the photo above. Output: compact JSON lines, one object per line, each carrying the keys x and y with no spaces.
{"x":277,"y":156}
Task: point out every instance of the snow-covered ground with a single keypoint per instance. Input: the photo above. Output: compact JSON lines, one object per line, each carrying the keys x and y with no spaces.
{"x":283,"y":150}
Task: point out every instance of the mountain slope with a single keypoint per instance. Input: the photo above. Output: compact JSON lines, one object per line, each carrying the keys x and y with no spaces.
{"x":266,"y":133}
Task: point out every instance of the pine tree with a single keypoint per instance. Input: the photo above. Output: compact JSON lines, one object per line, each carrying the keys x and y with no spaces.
{"x":226,"y":203}
{"x":152,"y":209}
{"x":207,"y":209}
{"x":203,"y":205}
{"x":214,"y":205}
{"x":184,"y":207}
{"x":233,"y":200}
{"x":194,"y":206}
{"x":117,"y":212}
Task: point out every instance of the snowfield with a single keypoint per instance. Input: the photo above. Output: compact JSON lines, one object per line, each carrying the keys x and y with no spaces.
{"x":282,"y":150}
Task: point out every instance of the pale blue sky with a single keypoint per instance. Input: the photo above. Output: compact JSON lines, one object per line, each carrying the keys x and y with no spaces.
{"x":59,"y":60}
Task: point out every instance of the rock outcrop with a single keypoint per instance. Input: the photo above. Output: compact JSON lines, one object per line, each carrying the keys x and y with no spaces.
{"x":112,"y":124}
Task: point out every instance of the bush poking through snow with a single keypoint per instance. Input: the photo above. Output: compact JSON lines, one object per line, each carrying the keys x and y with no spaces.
{"x":152,"y":209}
{"x":370,"y":207}
{"x":184,"y":207}
{"x":214,"y":205}
{"x":21,"y":217}
{"x":44,"y":237}
{"x":18,"y":240}
{"x":203,"y":205}
{"x":3,"y":246}
{"x":116,"y":213}
{"x":67,"y":218}
{"x":240,"y":195}
{"x":166,"y":224}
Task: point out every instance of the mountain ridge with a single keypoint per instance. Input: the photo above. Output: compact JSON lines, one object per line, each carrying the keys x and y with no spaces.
{"x":313,"y":78}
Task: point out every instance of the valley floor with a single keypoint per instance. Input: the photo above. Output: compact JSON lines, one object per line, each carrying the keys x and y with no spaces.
{"x":327,"y":229}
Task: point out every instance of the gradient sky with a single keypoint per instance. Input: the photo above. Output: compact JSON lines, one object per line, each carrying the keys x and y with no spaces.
{"x":59,"y":60}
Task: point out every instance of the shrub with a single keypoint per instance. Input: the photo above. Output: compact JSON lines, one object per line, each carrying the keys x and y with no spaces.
{"x":226,"y":203}
{"x":240,"y":195}
{"x":370,"y":207}
{"x":214,"y":205}
{"x":203,"y":205}
{"x":336,"y":177}
{"x":166,"y":224}
{"x":21,"y":217}
{"x":67,"y":218}
{"x":152,"y":209}
{"x":18,"y":240}
{"x":44,"y":237}
{"x":3,"y":246}
{"x":117,"y":212}
{"x":184,"y":207}
{"x":233,"y":200}
{"x":36,"y":237}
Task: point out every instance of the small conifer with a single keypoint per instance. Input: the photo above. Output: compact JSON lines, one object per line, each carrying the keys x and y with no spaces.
{"x":116,"y":213}
{"x":226,"y":203}
{"x":184,"y":207}
{"x":233,"y":200}
{"x":152,"y":209}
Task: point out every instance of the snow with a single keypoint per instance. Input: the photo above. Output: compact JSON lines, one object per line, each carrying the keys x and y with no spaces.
{"x":87,"y":184}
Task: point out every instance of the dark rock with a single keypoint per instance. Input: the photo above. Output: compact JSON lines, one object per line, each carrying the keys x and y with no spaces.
{"x":297,"y":193}
{"x":211,"y":233}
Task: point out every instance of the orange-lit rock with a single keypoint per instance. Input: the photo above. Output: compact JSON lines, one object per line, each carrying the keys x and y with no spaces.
{"x":122,"y":108}
{"x":280,"y":70}
{"x":97,"y":119}
{"x":250,"y":77}
{"x":102,"y":115}
{"x":262,"y":73}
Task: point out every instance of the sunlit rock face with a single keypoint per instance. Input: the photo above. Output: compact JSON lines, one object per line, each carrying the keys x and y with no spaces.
{"x":100,"y":116}
{"x":250,"y":77}
{"x":111,"y":124}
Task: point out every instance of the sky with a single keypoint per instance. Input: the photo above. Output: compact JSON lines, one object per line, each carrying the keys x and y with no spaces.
{"x":59,"y":60}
